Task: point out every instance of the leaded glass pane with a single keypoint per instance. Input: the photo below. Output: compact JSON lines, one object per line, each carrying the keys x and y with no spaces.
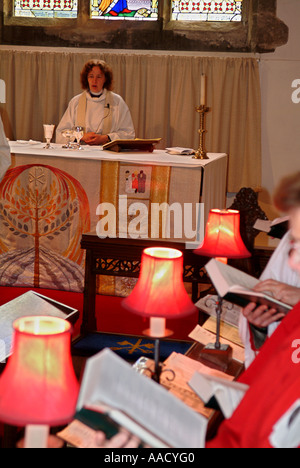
{"x":138,"y":10}
{"x":205,"y":10}
{"x":46,"y":8}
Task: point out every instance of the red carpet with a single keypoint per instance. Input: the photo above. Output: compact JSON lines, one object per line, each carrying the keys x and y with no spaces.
{"x":111,"y":317}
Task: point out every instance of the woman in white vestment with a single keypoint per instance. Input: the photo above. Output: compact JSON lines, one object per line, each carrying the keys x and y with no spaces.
{"x":104,"y":115}
{"x":5,"y":158}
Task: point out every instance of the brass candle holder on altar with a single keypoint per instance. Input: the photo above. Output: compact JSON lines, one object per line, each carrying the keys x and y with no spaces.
{"x":201,"y":153}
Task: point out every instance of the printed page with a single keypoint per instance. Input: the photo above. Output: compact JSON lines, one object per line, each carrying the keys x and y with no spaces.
{"x":184,"y":368}
{"x":228,"y":394}
{"x":26,"y":304}
{"x":225,"y":276}
{"x":227,"y":331}
{"x":204,"y":336}
{"x":230,"y":312}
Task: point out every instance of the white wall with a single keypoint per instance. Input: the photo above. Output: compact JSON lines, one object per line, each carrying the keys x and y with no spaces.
{"x":280,"y":115}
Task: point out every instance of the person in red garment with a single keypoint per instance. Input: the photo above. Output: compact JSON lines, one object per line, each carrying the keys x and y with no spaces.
{"x":269,"y":414}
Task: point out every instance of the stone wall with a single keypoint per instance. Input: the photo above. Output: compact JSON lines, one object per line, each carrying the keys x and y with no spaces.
{"x":260,"y":31}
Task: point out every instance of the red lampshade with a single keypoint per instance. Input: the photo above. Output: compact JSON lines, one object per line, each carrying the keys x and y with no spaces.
{"x":38,"y":384}
{"x":222,"y":236}
{"x":160,"y":291}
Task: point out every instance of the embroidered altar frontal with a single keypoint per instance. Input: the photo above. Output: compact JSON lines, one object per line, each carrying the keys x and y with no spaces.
{"x":48,"y":200}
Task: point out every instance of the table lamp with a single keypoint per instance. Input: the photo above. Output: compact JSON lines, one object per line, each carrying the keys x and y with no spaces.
{"x":38,"y":387}
{"x":222,"y":241}
{"x":160,"y":294}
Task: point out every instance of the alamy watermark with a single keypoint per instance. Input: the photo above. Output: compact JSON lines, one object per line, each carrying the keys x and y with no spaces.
{"x":296,"y":93}
{"x":296,"y":353}
{"x":137,"y":220}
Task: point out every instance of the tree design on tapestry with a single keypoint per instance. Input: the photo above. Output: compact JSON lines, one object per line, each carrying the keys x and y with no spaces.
{"x":48,"y":210}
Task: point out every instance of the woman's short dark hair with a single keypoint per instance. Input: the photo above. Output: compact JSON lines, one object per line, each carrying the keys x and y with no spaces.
{"x":106,"y":69}
{"x":287,"y":194}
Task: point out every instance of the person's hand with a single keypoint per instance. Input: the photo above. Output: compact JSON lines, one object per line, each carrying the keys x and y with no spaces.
{"x":261,"y":316}
{"x":92,"y":138}
{"x":124,"y":439}
{"x":281,"y":291}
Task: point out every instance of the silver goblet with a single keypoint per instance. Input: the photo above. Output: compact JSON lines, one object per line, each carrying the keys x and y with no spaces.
{"x":68,"y":134}
{"x":78,"y":132}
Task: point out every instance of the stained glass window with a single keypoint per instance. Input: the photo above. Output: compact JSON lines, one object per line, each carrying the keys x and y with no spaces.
{"x":207,"y":10}
{"x":140,"y":10}
{"x":46,"y":8}
{"x":143,"y":10}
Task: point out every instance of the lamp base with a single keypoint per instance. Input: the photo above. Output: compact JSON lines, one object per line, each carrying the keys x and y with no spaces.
{"x":165,"y":334}
{"x":219,"y":356}
{"x":157,"y":365}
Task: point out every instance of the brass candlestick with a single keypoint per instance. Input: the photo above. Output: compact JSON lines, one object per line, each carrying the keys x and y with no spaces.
{"x":200,"y":153}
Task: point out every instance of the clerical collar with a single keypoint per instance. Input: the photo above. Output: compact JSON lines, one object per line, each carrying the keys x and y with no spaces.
{"x":95,"y":95}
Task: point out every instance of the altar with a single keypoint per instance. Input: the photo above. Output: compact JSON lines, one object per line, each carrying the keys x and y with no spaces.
{"x":50,"y":197}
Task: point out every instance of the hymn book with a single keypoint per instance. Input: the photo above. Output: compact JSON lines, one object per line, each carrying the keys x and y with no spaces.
{"x":139,"y":404}
{"x":276,"y":228}
{"x":238,"y":287}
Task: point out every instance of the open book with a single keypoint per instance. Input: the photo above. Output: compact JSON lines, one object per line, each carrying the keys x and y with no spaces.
{"x":276,"y":228}
{"x":139,"y":404}
{"x":226,"y":393}
{"x":138,"y":144}
{"x":29,"y":303}
{"x":237,"y":287}
{"x":179,"y":150}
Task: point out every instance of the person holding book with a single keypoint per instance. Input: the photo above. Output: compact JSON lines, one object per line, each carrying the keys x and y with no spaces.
{"x":269,"y":413}
{"x":279,"y":280}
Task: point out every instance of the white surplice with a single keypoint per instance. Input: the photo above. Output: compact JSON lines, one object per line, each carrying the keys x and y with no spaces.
{"x":97,"y":112}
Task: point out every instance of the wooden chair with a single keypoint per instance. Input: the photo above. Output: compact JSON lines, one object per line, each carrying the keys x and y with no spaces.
{"x":246,"y":202}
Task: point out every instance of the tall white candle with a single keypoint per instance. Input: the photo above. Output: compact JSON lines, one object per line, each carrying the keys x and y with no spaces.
{"x":203,"y":90}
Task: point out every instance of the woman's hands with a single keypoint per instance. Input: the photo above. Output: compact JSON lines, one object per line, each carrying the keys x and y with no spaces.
{"x":262,"y":316}
{"x":281,"y":291}
{"x":92,"y":138}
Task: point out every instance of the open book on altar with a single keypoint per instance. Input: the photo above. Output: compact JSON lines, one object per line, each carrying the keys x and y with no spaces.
{"x":212,"y":390}
{"x":139,"y":404}
{"x":138,"y":144}
{"x":181,"y":151}
{"x":238,"y":287}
